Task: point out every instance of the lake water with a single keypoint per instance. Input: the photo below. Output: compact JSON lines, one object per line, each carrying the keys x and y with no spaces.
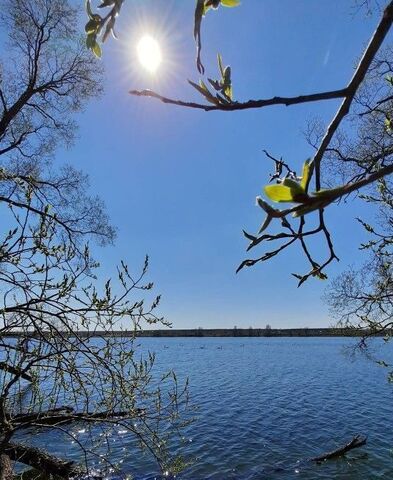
{"x":265,"y":405}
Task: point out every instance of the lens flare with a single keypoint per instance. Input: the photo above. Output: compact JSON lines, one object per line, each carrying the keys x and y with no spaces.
{"x":149,"y":53}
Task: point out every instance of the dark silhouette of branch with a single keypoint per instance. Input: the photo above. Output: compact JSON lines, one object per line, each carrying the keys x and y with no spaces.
{"x":353,"y":86}
{"x":313,"y":203}
{"x":356,"y":442}
{"x":41,"y":460}
{"x":347,"y":93}
{"x":15,"y":371}
{"x":230,"y":107}
{"x":65,"y":415}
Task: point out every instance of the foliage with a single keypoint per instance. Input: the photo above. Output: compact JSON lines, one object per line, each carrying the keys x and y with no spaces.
{"x":66,"y":357}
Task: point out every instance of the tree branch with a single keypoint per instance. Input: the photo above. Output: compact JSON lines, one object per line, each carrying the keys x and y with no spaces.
{"x":41,"y":460}
{"x":230,"y":107}
{"x":358,"y":77}
{"x":15,"y":371}
{"x":356,"y":442}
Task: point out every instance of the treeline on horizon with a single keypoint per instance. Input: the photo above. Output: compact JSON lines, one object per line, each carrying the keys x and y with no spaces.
{"x":228,"y":332}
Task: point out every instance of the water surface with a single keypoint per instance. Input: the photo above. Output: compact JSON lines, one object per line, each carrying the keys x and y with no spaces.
{"x":265,"y":405}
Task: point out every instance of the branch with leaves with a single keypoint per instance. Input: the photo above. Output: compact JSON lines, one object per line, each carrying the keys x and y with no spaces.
{"x":218,"y":96}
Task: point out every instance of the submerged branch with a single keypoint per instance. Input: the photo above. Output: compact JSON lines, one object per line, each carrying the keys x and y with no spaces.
{"x":41,"y":460}
{"x":356,"y":442}
{"x":65,"y":415}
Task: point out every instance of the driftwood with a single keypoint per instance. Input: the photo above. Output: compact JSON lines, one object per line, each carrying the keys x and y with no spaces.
{"x":356,"y":442}
{"x":66,"y":415}
{"x":41,"y":460}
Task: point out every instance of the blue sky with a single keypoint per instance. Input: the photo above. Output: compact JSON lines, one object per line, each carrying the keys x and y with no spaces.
{"x":181,"y":184}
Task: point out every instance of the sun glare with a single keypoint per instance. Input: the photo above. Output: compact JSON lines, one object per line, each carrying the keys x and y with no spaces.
{"x":149,"y":53}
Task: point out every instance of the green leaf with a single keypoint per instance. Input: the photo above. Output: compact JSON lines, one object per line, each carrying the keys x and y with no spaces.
{"x":220,"y":65}
{"x":228,"y":92}
{"x":280,"y":193}
{"x":89,"y":10}
{"x":204,"y":86}
{"x":91,"y":40}
{"x":97,"y":50}
{"x":388,"y":124}
{"x":308,"y":168}
{"x":204,"y":91}
{"x":288,"y":182}
{"x":227,"y":76}
{"x":230,"y":3}
{"x":91,"y":26}
{"x":328,"y":193}
{"x":206,"y":8}
{"x":320,"y":275}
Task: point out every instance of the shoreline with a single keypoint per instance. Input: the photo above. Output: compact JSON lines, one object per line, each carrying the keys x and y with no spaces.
{"x":222,"y":332}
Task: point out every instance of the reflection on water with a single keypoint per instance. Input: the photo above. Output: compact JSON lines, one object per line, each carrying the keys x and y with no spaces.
{"x":265,"y":405}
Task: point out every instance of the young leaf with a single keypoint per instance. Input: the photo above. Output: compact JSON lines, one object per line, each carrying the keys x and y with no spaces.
{"x":220,"y":65}
{"x":91,"y":26}
{"x":230,"y":3}
{"x":89,"y":10}
{"x":329,"y":193}
{"x":280,"y":193}
{"x":202,"y":89}
{"x":215,"y":84}
{"x":91,"y":40}
{"x":308,"y":168}
{"x":294,"y":185}
{"x":97,"y":50}
{"x":388,"y":124}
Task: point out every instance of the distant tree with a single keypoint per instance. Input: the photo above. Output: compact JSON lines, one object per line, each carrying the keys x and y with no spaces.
{"x":268,"y":330}
{"x":53,"y":375}
{"x":361,"y":298}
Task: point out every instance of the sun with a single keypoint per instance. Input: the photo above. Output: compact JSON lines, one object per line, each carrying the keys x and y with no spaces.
{"x":149,"y":53}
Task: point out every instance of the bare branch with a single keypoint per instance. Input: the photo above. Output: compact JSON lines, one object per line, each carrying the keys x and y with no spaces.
{"x":230,"y":107}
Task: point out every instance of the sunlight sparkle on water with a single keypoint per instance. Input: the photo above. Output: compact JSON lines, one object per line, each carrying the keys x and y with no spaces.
{"x":149,"y":53}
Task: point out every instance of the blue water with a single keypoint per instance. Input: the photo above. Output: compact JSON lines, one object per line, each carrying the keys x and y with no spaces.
{"x":265,"y":405}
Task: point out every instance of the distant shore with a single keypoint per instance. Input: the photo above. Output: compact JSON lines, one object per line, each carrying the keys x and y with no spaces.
{"x":225,"y":332}
{"x":255,"y":332}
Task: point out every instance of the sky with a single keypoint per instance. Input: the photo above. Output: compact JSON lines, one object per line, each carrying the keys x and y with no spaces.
{"x":180,"y":184}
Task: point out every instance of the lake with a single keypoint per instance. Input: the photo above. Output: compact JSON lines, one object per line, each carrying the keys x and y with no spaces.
{"x":266,"y":405}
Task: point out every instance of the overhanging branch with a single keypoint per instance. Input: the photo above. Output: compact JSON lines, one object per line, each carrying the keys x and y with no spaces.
{"x":230,"y":107}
